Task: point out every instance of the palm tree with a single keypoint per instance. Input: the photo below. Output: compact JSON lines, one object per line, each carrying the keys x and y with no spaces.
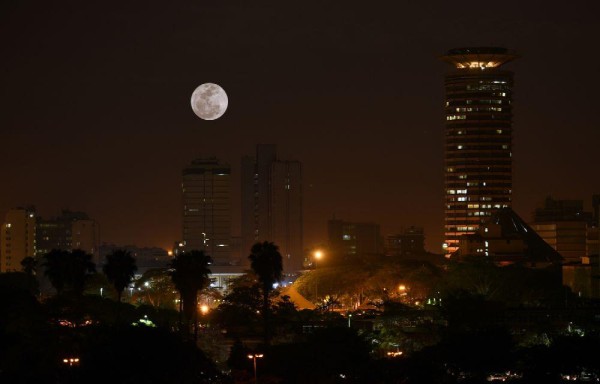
{"x":265,"y":261}
{"x":119,"y":270}
{"x":68,"y":271}
{"x":29,"y":265}
{"x":190,"y":275}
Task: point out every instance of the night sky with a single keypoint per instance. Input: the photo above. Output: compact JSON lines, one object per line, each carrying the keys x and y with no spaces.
{"x":95,"y":113}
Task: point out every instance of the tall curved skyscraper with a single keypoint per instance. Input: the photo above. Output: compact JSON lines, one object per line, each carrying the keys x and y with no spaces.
{"x":478,"y":144}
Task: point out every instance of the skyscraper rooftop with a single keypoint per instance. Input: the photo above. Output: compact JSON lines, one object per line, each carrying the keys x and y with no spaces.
{"x":480,"y":57}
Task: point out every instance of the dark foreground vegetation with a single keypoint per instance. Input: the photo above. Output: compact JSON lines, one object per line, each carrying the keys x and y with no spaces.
{"x":469,"y":323}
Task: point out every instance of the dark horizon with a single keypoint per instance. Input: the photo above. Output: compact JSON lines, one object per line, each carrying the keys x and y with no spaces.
{"x":96,"y":114}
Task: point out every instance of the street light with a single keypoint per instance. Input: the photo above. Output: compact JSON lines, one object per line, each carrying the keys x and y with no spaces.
{"x":204,"y":309}
{"x":317,"y":255}
{"x":254,"y":356}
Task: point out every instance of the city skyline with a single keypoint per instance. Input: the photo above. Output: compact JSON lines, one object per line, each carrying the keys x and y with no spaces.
{"x":110,"y":127}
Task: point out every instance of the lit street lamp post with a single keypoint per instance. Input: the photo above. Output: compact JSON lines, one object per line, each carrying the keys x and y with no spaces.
{"x":318,"y":255}
{"x":254,"y":356}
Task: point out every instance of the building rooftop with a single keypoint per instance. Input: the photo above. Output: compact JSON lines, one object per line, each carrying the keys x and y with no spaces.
{"x":478,"y":57}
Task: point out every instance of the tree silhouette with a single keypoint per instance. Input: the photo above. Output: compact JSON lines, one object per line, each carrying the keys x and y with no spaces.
{"x":190,"y":275}
{"x":29,"y":265}
{"x":265,"y":261}
{"x":68,"y":271}
{"x":119,"y":269}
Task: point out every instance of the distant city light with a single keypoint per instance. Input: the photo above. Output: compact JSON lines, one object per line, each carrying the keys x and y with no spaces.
{"x":394,"y":354}
{"x":71,"y":361}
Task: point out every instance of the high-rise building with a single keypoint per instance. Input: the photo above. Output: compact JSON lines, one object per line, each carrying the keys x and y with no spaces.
{"x":17,"y":238}
{"x":272,"y":204}
{"x":207,"y":209}
{"x":478,"y":143}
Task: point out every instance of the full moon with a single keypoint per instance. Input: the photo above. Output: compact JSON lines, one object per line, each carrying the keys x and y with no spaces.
{"x":209,"y":101}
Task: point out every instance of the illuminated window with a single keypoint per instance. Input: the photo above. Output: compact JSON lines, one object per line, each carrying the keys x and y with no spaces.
{"x":459,"y":147}
{"x":462,"y":199}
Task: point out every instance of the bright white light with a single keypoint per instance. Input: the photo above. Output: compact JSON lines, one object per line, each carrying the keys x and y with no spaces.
{"x":209,"y":101}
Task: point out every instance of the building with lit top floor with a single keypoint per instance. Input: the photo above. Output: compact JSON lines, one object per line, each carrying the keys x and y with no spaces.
{"x":478,"y":139}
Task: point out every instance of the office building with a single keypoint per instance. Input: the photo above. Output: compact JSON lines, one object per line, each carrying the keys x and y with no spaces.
{"x":207,"y":209}
{"x":478,"y":139}
{"x":350,"y":238}
{"x":272,"y":205}
{"x":68,"y":231}
{"x":505,"y":238}
{"x":411,"y":241}
{"x":146,"y":258}
{"x":567,"y":227}
{"x":17,"y":238}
